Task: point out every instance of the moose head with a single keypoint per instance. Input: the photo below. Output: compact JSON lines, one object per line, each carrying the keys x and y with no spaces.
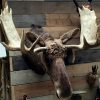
{"x":45,"y":53}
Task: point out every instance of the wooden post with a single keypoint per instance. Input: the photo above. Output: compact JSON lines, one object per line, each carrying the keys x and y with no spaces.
{"x":0,"y":78}
{"x":3,"y":80}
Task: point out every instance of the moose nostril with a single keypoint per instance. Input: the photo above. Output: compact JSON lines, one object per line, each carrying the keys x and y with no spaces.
{"x":58,"y":93}
{"x":63,"y":93}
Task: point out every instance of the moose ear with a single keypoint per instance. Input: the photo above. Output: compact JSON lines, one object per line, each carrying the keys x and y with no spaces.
{"x":68,"y":35}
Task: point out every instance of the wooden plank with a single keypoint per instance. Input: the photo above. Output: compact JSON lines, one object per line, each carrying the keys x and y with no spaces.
{"x":11,"y":63}
{"x":88,"y":96}
{"x":86,"y":56}
{"x":33,"y":7}
{"x":15,"y":53}
{"x":48,"y":97}
{"x":50,"y":20}
{"x":19,"y":63}
{"x":62,"y":20}
{"x":46,"y":20}
{"x":75,"y":72}
{"x":77,"y":83}
{"x":44,"y":88}
{"x":28,"y":20}
{"x":13,"y":94}
{"x":27,"y":76}
{"x":28,"y":8}
{"x":35,"y":89}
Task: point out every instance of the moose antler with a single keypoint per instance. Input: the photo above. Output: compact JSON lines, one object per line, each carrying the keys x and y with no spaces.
{"x":88,"y":30}
{"x":88,"y":26}
{"x":32,"y":48}
{"x":9,"y":30}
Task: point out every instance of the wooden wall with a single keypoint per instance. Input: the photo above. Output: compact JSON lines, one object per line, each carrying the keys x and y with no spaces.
{"x":25,"y":82}
{"x":46,"y":12}
{"x":57,"y":17}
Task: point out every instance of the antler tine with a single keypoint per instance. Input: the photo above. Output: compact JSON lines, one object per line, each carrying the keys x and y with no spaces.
{"x":23,"y":47}
{"x":39,"y":49}
{"x":64,"y":38}
{"x":10,"y":48}
{"x":34,"y":44}
{"x":26,"y":49}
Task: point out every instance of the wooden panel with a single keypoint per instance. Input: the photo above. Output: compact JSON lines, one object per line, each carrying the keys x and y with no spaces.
{"x":11,"y":64}
{"x":13,"y":94}
{"x":26,"y":13}
{"x":15,"y":53}
{"x":28,"y":20}
{"x":75,"y":72}
{"x":48,"y":97}
{"x":27,"y":76}
{"x":40,"y":7}
{"x":27,"y":8}
{"x":45,"y":88}
{"x":77,"y":82}
{"x":87,"y":96}
{"x":85,"y":56}
{"x":35,"y":89}
{"x":62,"y":20}
{"x":19,"y":63}
{"x":51,"y":20}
